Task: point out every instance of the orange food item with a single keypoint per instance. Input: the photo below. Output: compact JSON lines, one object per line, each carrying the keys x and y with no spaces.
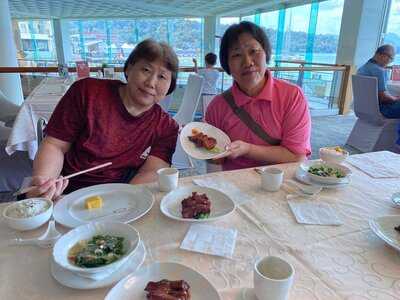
{"x":202,"y":140}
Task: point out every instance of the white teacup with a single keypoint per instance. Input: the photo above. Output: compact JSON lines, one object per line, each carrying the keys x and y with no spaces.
{"x":273,"y":278}
{"x":167,"y":179}
{"x":271,"y":179}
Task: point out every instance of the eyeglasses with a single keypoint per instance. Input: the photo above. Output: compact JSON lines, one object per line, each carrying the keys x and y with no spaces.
{"x":391,"y":57}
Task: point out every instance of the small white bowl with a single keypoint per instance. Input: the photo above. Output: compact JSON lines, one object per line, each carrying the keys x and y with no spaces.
{"x":331,"y":179}
{"x":330,"y":155}
{"x":86,"y":232}
{"x":28,"y":223}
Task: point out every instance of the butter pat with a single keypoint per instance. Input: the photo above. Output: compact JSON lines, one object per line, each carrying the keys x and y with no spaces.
{"x":93,"y":202}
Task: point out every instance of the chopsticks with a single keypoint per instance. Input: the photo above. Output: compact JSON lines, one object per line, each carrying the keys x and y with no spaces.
{"x":29,"y":188}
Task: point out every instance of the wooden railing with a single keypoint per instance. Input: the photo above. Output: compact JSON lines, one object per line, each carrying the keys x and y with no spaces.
{"x":344,"y":98}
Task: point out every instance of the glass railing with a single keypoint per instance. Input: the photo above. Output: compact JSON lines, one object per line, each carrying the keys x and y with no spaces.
{"x":325,"y":86}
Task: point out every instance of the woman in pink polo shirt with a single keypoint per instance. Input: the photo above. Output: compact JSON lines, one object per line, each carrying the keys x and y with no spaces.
{"x":278,"y":108}
{"x":101,"y":120}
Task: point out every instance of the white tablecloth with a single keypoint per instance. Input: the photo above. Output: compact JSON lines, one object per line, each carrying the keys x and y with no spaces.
{"x":331,"y":262}
{"x":393,"y":87}
{"x":40,"y":103}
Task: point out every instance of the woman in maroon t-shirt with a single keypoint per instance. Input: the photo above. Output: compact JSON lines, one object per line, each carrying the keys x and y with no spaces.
{"x":100,"y":120}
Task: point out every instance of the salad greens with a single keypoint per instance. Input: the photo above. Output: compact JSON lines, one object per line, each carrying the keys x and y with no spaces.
{"x":325,"y":171}
{"x":202,"y":216}
{"x":99,"y":251}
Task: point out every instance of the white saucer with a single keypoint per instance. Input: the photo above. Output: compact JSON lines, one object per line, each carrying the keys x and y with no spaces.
{"x":248,"y":294}
{"x":74,"y":281}
{"x":301,"y":175}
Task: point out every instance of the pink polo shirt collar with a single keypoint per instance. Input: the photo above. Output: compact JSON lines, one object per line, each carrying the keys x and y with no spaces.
{"x":266,"y":93}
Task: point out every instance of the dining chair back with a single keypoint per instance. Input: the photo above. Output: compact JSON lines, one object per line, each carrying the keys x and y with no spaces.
{"x":8,"y":110}
{"x":372,"y":131}
{"x":185,"y":114}
{"x":190,"y":100}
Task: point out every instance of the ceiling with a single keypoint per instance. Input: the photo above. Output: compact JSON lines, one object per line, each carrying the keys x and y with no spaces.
{"x":87,"y":9}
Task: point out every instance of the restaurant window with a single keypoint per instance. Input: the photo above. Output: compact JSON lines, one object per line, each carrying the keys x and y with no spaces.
{"x":111,"y":41}
{"x":36,"y":43}
{"x":269,"y":22}
{"x":327,"y":31}
{"x":295,"y":33}
{"x":392,"y":35}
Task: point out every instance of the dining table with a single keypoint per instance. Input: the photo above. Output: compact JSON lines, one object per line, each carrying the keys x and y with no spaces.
{"x":40,"y":103}
{"x":393,"y":87}
{"x":346,"y":261}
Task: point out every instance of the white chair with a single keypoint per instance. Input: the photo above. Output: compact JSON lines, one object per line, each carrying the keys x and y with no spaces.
{"x":40,"y":125}
{"x":185,"y":114}
{"x":372,"y":131}
{"x":8,"y":110}
{"x":190,"y":100}
{"x":166,"y":103}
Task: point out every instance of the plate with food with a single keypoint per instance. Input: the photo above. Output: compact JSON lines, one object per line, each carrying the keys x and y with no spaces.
{"x":196,"y":204}
{"x":113,"y":202}
{"x":388,"y":229}
{"x":327,"y":173}
{"x":72,"y":280}
{"x":203,"y":141}
{"x":164,"y":280}
{"x":335,"y":155}
{"x":96,"y":248}
{"x":302,"y":176}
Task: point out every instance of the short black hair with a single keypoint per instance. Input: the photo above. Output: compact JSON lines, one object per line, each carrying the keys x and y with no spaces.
{"x":384,"y":49}
{"x":211,"y":58}
{"x":152,"y":50}
{"x":231,"y":37}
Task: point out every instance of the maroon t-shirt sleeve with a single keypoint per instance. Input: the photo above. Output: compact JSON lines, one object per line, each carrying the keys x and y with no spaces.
{"x":165,"y":143}
{"x":68,"y":118}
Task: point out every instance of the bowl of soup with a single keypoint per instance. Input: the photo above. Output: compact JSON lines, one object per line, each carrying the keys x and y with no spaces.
{"x":96,"y":247}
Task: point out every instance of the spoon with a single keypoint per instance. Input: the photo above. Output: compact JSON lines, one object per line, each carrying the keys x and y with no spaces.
{"x":46,"y":240}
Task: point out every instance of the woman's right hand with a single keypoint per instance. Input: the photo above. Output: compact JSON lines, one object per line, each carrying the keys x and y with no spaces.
{"x":45,"y":187}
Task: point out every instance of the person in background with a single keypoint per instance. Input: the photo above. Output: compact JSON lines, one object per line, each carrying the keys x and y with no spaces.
{"x":210,"y":73}
{"x":211,"y":76}
{"x":389,"y":105}
{"x":100,"y":120}
{"x":277,"y":107}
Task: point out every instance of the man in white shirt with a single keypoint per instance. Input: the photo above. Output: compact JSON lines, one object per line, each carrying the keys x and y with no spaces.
{"x":211,"y":75}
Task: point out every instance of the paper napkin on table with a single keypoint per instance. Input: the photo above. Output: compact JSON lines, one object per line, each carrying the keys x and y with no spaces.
{"x":225,"y":187}
{"x":310,"y":212}
{"x":381,"y":164}
{"x":210,"y":240}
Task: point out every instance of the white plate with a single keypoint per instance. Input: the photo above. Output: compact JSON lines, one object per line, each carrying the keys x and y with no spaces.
{"x":132,"y":286}
{"x":383,"y":227}
{"x":302,"y":176}
{"x":326,"y":180}
{"x":74,"y":281}
{"x":137,"y":200}
{"x":200,"y":153}
{"x":221,"y":204}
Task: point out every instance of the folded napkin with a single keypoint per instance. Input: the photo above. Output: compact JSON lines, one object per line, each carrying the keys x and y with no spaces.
{"x":310,"y":212}
{"x":210,"y":240}
{"x":382,"y":164}
{"x":225,"y":187}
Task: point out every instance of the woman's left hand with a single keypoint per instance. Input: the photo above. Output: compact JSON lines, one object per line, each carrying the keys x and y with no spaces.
{"x":237,"y":149}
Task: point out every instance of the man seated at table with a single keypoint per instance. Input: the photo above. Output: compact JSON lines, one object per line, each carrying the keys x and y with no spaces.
{"x":389,"y":105}
{"x":101,"y":120}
